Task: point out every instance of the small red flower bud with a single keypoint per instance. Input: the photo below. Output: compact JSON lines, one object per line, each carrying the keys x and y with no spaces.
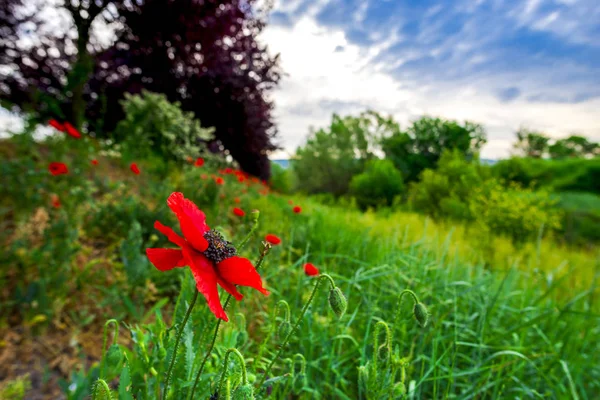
{"x":310,"y":269}
{"x":274,"y":240}
{"x":95,"y":162}
{"x":239,"y":212}
{"x":219,"y":181}
{"x":237,"y":200}
{"x":199,"y":162}
{"x":134,"y":168}
{"x":297,"y":209}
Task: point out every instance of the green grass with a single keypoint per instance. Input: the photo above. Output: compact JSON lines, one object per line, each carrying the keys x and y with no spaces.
{"x":505,"y":322}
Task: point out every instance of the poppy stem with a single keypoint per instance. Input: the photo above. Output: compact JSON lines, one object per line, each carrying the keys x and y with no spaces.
{"x":296,"y":325}
{"x":265,"y":251}
{"x":399,"y":308}
{"x":255,"y":216}
{"x":115,"y":336}
{"x":177,"y":340}
{"x":226,"y":367}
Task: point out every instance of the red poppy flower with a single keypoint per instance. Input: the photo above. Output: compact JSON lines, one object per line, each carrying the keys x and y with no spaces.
{"x":241,"y":179}
{"x":239,"y":212}
{"x":55,"y":201}
{"x":199,"y":162}
{"x":58,"y":168}
{"x":237,"y":200}
{"x":274,"y":240}
{"x":134,"y":168}
{"x":72,"y":131}
{"x":95,"y":162}
{"x":310,"y":269}
{"x":56,"y":125}
{"x":211,"y":258}
{"x":228,"y":171}
{"x":219,"y":180}
{"x":297,"y":209}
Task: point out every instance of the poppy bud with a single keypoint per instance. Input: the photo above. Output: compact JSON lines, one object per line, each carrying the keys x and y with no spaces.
{"x":255,"y":214}
{"x":284,"y":329}
{"x":243,"y":392}
{"x":101,"y":390}
{"x":399,"y":390}
{"x":251,"y":377}
{"x":114,"y":356}
{"x":421,"y":314}
{"x":337,"y":301}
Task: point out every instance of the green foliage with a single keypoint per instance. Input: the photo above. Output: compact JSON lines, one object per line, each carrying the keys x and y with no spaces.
{"x":556,"y":175}
{"x":331,"y":157}
{"x":135,"y":262}
{"x":581,"y":223}
{"x":422,"y":144}
{"x":154,"y":125}
{"x":573,"y":147}
{"x":518,"y":213}
{"x":15,"y":389}
{"x":378,"y":185}
{"x":446,"y":190}
{"x":531,"y":144}
{"x":282,"y":179}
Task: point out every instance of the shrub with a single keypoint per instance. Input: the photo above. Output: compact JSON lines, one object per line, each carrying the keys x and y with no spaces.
{"x":282,"y":179}
{"x":377,"y":185}
{"x":154,"y":125}
{"x":517,"y":213}
{"x":445,"y":191}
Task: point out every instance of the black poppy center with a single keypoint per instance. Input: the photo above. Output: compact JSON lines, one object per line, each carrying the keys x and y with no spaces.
{"x":218,"y":248}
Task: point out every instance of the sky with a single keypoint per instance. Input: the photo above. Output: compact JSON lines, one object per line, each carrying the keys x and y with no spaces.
{"x":504,"y":64}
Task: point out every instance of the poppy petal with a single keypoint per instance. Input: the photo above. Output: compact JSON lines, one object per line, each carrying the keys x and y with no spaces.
{"x":206,"y":281}
{"x":170,"y":234}
{"x":165,"y":259}
{"x":191,"y":220}
{"x":230,"y":288}
{"x":240,"y":271}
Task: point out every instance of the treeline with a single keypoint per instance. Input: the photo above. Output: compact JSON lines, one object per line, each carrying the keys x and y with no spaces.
{"x":433,"y":167}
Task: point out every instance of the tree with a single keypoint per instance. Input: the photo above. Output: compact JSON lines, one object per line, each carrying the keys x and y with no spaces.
{"x":573,"y":147}
{"x":531,"y":144}
{"x":331,"y":157}
{"x":378,"y":185}
{"x":422,"y":144}
{"x":204,"y":55}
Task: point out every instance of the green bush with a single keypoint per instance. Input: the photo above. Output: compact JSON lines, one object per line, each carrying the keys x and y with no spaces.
{"x":517,"y":213}
{"x":581,"y":223}
{"x":282,"y":179}
{"x":378,"y":185}
{"x":445,"y":191}
{"x":154,"y":125}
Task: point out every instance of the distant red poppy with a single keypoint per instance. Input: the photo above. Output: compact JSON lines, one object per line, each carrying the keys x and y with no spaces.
{"x":239,"y":212}
{"x":95,"y":162}
{"x":290,"y":202}
{"x":134,"y":168}
{"x":203,"y":176}
{"x":55,"y":201}
{"x":189,"y":159}
{"x":72,"y":131}
{"x":199,"y":162}
{"x":211,"y":258}
{"x":241,"y":179}
{"x":56,"y":125}
{"x":237,"y":200}
{"x":58,"y":168}
{"x":274,"y":240}
{"x":219,"y":181}
{"x":228,"y":170}
{"x":310,"y":269}
{"x":297,"y":209}
{"x":222,"y":195}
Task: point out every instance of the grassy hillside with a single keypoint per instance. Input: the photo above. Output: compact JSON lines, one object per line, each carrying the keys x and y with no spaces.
{"x":505,"y":322}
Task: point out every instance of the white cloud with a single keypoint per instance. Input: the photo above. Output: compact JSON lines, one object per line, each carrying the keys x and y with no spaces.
{"x":347,"y":81}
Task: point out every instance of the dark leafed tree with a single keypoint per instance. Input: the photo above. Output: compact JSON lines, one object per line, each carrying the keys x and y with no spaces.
{"x":45,"y":70}
{"x":203,"y":54}
{"x":531,"y":144}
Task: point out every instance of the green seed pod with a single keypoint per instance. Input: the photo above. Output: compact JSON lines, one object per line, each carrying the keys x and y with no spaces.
{"x":243,"y":392}
{"x":101,"y":391}
{"x":114,"y":356}
{"x":337,"y":301}
{"x":363,"y":377}
{"x":284,"y":329}
{"x":399,"y":390}
{"x":421,"y":314}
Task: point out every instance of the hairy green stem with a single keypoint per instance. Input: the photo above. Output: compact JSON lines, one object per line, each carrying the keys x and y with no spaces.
{"x":177,"y":340}
{"x":115,"y":336}
{"x":251,"y":232}
{"x":296,"y":325}
{"x":397,"y":316}
{"x":225,"y":367}
{"x":265,"y":251}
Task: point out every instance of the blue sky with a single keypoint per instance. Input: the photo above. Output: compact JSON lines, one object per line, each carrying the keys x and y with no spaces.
{"x":504,"y":64}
